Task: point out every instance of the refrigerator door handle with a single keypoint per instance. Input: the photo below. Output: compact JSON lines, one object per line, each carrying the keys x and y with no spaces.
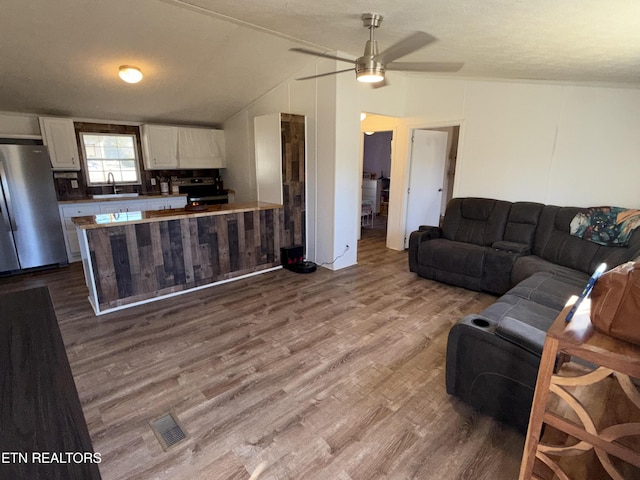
{"x":9,"y":224}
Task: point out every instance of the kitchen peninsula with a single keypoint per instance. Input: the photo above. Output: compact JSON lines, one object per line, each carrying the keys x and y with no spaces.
{"x":131,"y":258}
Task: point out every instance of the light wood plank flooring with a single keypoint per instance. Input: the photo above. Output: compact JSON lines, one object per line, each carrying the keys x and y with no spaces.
{"x":331,"y":375}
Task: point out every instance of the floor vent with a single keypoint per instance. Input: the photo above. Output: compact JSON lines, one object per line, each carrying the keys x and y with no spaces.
{"x":168,"y":430}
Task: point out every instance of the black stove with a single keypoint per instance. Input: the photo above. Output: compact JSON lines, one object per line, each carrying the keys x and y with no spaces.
{"x":201,"y":190}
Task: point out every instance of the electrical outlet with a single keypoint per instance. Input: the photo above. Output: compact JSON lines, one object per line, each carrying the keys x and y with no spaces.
{"x":153,"y":182}
{"x":74,"y":184}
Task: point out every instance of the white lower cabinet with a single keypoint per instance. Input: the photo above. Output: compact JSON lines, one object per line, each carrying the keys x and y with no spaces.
{"x":166,"y":203}
{"x":122,"y":207}
{"x":67,"y":212}
{"x":176,"y":202}
{"x":83,"y":209}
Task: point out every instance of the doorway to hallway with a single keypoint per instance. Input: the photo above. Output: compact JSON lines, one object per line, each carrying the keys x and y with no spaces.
{"x":399,"y":175}
{"x":376,"y":171}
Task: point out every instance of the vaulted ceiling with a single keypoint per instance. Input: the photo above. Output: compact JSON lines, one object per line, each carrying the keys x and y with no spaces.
{"x":204,"y":60}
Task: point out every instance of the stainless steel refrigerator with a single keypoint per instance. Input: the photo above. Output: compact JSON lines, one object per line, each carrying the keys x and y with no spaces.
{"x":30,"y":229}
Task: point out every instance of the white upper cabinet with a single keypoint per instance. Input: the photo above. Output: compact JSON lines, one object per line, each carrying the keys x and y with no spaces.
{"x":59,"y":135}
{"x":200,"y":148}
{"x":159,"y":147}
{"x":166,"y":147}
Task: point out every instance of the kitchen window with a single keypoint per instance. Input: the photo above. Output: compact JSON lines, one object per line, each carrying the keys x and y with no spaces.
{"x":110,"y":158}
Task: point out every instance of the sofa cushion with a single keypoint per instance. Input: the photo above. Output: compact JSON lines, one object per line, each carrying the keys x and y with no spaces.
{"x":549,"y":290}
{"x":522,"y":221}
{"x":554,"y":243}
{"x":527,"y":311}
{"x":451,"y":256}
{"x":480,"y":221}
{"x":528,"y":265}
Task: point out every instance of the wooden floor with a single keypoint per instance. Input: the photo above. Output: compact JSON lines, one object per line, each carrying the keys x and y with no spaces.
{"x":331,"y":375}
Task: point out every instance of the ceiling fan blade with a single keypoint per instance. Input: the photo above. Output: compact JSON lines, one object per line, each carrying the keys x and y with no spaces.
{"x":325,"y":74}
{"x":413,"y":42}
{"x":382,"y":83}
{"x":425,"y":66}
{"x":320,"y":54}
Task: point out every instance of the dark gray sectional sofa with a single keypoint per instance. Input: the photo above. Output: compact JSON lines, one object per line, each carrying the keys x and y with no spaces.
{"x":523,"y":251}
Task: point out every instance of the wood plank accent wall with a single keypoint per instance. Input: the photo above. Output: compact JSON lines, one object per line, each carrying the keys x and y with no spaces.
{"x":293,"y":179}
{"x":136,"y":262}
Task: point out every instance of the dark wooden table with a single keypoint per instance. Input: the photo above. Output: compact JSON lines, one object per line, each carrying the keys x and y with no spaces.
{"x":43,"y":433}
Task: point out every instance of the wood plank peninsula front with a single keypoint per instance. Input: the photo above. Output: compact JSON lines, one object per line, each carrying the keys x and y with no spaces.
{"x":132,"y":258}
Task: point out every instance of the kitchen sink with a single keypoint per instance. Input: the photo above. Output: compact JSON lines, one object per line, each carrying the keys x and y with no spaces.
{"x":116,"y":195}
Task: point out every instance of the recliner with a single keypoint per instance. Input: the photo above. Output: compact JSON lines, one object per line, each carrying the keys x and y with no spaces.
{"x":478,"y":243}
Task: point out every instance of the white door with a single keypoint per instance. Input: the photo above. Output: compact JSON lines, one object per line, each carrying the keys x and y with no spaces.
{"x":426,"y":180}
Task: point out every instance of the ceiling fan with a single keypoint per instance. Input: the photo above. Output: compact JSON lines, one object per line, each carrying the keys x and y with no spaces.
{"x":371,"y":66}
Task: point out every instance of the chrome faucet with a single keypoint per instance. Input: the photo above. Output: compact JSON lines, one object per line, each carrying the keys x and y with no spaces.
{"x":111,"y":179}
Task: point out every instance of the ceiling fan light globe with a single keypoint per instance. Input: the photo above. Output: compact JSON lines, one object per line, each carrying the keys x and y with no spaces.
{"x":130,"y":74}
{"x":365,"y":77}
{"x":369,"y":70}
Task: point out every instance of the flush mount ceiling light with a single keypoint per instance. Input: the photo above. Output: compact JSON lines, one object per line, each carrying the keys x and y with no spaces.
{"x":130,"y":74}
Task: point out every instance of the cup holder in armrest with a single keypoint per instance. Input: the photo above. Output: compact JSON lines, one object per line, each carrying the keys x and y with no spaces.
{"x":481,"y":322}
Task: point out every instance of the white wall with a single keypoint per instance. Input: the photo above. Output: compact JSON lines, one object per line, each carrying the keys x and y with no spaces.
{"x":509,"y":131}
{"x":390,"y":100}
{"x":331,"y":164}
{"x":551,"y":143}
{"x":348,"y":172}
{"x":596,"y":160}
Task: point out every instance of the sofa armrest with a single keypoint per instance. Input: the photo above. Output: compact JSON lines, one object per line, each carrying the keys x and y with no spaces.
{"x":512,"y":247}
{"x":423,"y":234}
{"x":431,"y":231}
{"x":491,"y":374}
{"x":521,"y":334}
